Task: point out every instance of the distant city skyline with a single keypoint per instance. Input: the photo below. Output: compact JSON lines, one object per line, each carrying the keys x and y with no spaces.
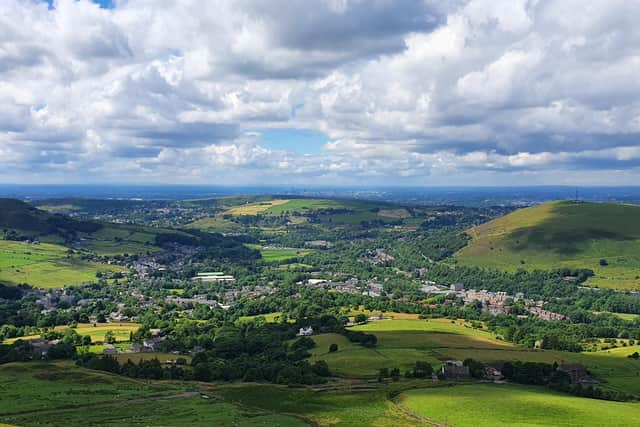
{"x":324,"y":93}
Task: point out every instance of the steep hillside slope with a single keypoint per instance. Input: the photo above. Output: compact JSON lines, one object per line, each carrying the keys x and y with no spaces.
{"x":604,"y":237}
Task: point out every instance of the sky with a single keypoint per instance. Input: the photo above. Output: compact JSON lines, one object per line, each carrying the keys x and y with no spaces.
{"x":334,"y":92}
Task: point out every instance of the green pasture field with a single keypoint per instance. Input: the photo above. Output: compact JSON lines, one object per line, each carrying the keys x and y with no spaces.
{"x":217,"y":224}
{"x":276,"y":255}
{"x":403,"y":342}
{"x":59,"y":208}
{"x":45,"y":265}
{"x":39,"y":386}
{"x":121,"y":331}
{"x":562,"y":234}
{"x":256,"y":208}
{"x":192,"y":410}
{"x":494,"y":405}
{"x":47,"y":394}
{"x":342,"y":406}
{"x":269,"y":317}
{"x":624,"y":316}
{"x":306,"y":205}
{"x":400,"y":344}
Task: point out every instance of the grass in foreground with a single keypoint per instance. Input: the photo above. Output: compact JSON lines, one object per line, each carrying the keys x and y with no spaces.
{"x":509,"y":405}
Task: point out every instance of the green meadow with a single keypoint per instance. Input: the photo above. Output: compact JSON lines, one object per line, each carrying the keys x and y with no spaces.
{"x":563,"y":234}
{"x":403,"y":342}
{"x":276,"y":255}
{"x":494,"y":405}
{"x":400,"y":344}
{"x":345,"y":404}
{"x":97,"y":331}
{"x":47,"y":394}
{"x":45,"y":265}
{"x":305,"y":205}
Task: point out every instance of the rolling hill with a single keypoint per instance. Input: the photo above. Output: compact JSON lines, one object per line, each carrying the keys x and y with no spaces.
{"x":604,"y":237}
{"x":46,"y":250}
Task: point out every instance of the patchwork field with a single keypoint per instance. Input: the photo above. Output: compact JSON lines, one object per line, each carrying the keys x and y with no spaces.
{"x":509,"y":405}
{"x":563,"y":234}
{"x":45,"y":265}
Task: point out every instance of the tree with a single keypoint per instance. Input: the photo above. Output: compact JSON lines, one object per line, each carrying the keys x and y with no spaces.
{"x":333,"y":348}
{"x":382,"y":374}
{"x":360,"y":318}
{"x":422,"y":370}
{"x":321,"y":368}
{"x":395,"y":374}
{"x":110,"y":337}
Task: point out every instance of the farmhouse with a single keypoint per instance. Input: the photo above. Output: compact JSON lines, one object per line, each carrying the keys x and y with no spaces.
{"x":455,"y":369}
{"x":577,"y":372}
{"x":40,"y":346}
{"x":305,"y":332}
{"x":109,"y":349}
{"x":492,"y":374}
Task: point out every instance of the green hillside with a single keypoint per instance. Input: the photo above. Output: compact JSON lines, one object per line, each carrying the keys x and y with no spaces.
{"x":46,"y":250}
{"x":563,"y":234}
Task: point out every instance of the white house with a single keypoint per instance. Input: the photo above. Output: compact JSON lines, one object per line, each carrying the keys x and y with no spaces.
{"x":305,"y":332}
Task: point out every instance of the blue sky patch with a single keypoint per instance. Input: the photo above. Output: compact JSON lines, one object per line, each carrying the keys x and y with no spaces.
{"x":301,"y":141}
{"x":104,"y":4}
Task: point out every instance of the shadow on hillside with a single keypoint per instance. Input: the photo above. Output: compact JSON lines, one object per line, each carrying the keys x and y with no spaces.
{"x":565,"y":232}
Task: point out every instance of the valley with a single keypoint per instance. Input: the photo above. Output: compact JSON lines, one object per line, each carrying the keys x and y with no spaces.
{"x":272,"y":310}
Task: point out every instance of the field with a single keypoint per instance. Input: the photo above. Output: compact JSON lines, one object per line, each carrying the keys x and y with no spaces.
{"x":256,"y":208}
{"x":62,"y":394}
{"x":120,"y":331}
{"x":401,"y":343}
{"x":45,"y":265}
{"x":334,"y":405}
{"x":269,"y":317}
{"x":509,"y":405}
{"x":563,"y":234}
{"x":215,"y":224}
{"x":624,"y":316}
{"x":275,"y":255}
{"x":305,"y":205}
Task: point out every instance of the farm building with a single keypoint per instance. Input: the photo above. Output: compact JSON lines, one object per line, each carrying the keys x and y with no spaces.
{"x":455,"y":369}
{"x":305,"y":332}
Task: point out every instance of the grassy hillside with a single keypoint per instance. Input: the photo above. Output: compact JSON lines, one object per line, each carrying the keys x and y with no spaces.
{"x":61,"y":394}
{"x":45,"y":265}
{"x":509,"y":405}
{"x":563,"y":234}
{"x":44,"y":249}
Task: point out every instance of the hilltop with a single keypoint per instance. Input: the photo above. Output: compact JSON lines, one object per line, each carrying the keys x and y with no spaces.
{"x":604,"y":237}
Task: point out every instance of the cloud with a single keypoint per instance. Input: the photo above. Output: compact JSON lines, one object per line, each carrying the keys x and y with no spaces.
{"x":419,"y":91}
